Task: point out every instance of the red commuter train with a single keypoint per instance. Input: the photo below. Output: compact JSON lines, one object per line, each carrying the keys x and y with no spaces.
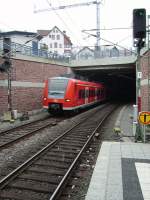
{"x":68,"y":94}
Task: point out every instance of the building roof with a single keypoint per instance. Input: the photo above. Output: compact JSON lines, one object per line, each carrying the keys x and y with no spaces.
{"x":43,"y":32}
{"x":24,"y":33}
{"x":84,"y":48}
{"x":46,"y":32}
{"x":18,"y":33}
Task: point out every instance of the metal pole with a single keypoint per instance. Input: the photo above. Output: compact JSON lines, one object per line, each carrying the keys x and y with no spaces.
{"x":138,"y":80}
{"x":138,"y":134}
{"x":98,"y":23}
{"x":144,"y":136}
{"x":148,"y":64}
{"x":97,"y":45}
{"x":9,"y":93}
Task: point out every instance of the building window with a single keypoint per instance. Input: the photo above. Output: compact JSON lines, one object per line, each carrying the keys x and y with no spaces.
{"x":60,"y":45}
{"x":55,"y":45}
{"x":53,"y":37}
{"x":67,"y":46}
{"x":51,"y":46}
{"x":58,"y":37}
{"x":49,"y":36}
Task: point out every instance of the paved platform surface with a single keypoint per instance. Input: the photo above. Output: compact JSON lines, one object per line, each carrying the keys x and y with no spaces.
{"x":122,"y":170}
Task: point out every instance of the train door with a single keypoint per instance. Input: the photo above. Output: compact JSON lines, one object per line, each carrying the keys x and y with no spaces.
{"x":86,"y":95}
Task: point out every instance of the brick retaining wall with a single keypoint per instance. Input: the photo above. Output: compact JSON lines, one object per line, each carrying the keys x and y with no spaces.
{"x":25,"y":95}
{"x":145,"y":91}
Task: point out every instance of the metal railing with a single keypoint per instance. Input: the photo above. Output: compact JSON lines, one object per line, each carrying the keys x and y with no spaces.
{"x":29,"y":51}
{"x":105,"y":53}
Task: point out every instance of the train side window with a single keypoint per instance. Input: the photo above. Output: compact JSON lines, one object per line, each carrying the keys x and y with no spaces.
{"x":83,"y":94}
{"x":89,"y":93}
{"x":80,"y":94}
{"x":99,"y":93}
{"x":94,"y":93}
{"x":102,"y":92}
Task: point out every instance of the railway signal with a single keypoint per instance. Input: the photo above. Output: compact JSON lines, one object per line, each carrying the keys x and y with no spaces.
{"x":139,"y":23}
{"x":139,"y":27}
{"x":139,"y":36}
{"x":5,"y":66}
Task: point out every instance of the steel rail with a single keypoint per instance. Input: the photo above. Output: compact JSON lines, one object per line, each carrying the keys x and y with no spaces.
{"x":63,"y":182}
{"x":20,"y":126}
{"x":23,"y":136}
{"x":22,"y":167}
{"x":7,"y":179}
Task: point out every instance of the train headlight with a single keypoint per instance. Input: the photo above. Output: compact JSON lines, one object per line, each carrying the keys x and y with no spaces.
{"x":45,"y":98}
{"x":67,"y":100}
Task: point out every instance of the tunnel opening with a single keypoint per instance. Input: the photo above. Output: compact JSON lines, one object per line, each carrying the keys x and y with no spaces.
{"x":121,"y":84}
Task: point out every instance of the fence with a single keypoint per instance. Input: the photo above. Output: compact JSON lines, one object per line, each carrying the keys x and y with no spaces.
{"x":29,"y":51}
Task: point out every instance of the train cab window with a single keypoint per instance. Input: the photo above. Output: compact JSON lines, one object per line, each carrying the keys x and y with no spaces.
{"x":57,"y":87}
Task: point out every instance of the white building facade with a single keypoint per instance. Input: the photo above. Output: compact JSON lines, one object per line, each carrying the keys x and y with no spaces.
{"x":55,"y":41}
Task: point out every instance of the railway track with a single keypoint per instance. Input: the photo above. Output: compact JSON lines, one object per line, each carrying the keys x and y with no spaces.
{"x":45,"y":174}
{"x":16,"y":134}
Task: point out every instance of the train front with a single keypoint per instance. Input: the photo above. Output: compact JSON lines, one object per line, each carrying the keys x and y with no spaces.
{"x":54,"y":94}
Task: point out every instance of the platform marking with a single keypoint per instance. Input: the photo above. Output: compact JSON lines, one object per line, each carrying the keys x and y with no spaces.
{"x":143,"y":172}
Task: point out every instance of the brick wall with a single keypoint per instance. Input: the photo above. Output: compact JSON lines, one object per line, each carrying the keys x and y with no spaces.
{"x":3,"y":100}
{"x":144,"y":65}
{"x":144,"y":99}
{"x":35,"y":72}
{"x":145,"y":90}
{"x":27,"y":98}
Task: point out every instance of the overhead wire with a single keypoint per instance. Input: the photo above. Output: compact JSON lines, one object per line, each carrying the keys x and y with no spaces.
{"x":72,"y":20}
{"x":64,"y":22}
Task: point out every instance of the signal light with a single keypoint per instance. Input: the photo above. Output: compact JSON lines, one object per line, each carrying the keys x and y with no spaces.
{"x":139,"y":23}
{"x":6,"y":45}
{"x":4,"y":67}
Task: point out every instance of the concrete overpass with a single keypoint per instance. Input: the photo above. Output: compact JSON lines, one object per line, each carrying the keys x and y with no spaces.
{"x":117,"y":73}
{"x":101,"y":67}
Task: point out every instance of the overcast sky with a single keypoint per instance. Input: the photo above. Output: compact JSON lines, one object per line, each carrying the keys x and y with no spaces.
{"x":19,"y":15}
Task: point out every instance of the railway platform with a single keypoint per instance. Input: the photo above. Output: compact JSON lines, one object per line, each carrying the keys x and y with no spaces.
{"x":122,"y":170}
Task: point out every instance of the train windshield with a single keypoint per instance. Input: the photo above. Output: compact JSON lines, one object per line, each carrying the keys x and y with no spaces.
{"x":57,"y":87}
